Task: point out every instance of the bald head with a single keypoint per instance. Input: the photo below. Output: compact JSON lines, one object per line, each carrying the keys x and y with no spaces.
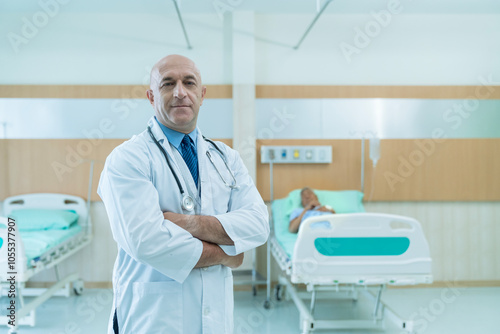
{"x":176,"y":92}
{"x":171,"y":62}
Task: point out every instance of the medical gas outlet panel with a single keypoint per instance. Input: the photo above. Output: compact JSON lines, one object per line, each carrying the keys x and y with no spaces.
{"x":296,"y":154}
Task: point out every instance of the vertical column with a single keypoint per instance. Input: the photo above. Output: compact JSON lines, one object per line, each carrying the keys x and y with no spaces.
{"x":244,"y":88}
{"x":4,"y":167}
{"x":228,"y":47}
{"x":4,"y":170}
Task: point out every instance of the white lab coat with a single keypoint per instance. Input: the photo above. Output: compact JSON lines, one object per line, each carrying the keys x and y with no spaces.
{"x":156,"y":289}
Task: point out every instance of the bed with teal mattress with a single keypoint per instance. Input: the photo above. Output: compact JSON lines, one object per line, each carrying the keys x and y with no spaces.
{"x":346,"y":201}
{"x":47,"y":229}
{"x":347,"y":250}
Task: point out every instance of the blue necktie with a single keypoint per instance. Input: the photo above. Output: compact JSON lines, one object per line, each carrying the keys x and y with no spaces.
{"x":189,"y":156}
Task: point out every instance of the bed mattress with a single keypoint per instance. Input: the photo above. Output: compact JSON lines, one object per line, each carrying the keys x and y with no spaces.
{"x":36,"y":243}
{"x":280,"y":221}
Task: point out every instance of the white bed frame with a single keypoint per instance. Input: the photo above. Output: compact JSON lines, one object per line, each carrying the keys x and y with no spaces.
{"x":25,"y":313}
{"x":351,"y":274}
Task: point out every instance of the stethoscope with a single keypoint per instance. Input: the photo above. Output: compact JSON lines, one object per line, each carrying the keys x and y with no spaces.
{"x":187,"y":202}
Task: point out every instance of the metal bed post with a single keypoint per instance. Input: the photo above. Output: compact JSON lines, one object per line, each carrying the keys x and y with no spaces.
{"x":377,"y":304}
{"x":363,"y":165}
{"x":313,"y":300}
{"x":89,"y":194}
{"x":267,"y":303}
{"x":254,"y":274}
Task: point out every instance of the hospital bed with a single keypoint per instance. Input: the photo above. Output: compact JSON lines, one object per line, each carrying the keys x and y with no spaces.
{"x":349,"y":252}
{"x":49,"y":229}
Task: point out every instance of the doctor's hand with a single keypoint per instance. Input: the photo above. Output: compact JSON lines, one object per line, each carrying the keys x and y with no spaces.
{"x":214,"y":255}
{"x":233,"y":262}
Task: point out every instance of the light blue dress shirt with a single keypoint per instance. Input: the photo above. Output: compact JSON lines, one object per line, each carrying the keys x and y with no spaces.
{"x":175,"y":137}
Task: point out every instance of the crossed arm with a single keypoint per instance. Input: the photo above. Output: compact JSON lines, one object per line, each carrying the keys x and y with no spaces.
{"x":209,"y":230}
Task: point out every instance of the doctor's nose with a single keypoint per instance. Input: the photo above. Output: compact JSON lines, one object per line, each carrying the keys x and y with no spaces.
{"x":179,"y":92}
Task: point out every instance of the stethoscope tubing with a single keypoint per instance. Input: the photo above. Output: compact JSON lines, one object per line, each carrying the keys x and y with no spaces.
{"x":168,"y":161}
{"x":187,"y":202}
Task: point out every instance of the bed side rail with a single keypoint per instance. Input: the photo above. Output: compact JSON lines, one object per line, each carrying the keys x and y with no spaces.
{"x":362,"y":247}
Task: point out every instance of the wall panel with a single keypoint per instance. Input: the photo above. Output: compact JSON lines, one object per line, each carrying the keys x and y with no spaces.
{"x":413,"y":92}
{"x":96,"y":91}
{"x":262,"y":91}
{"x":408,"y":170}
{"x":55,"y":165}
{"x":3,"y":169}
{"x":47,"y":118}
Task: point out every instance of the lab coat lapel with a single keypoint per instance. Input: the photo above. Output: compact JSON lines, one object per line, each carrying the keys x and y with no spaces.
{"x":162,"y":139}
{"x":177,"y":163}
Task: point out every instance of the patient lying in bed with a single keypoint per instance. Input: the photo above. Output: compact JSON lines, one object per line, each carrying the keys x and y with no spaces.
{"x":311,"y":207}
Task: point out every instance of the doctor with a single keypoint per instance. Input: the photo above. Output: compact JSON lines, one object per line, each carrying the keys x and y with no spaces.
{"x":182,"y":210}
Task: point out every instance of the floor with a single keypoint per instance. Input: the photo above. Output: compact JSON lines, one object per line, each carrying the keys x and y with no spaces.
{"x":434,"y":310}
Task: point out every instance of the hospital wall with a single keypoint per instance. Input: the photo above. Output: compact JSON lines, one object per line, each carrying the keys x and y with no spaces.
{"x":429,"y":50}
{"x":461,"y":229}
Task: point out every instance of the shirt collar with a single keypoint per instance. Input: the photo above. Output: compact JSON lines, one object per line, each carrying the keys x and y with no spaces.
{"x":175,"y":137}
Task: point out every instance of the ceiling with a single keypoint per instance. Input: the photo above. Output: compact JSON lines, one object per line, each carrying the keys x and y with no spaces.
{"x":263,"y":6}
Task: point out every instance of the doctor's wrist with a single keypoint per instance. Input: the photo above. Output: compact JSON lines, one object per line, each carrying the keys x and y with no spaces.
{"x":191,"y":225}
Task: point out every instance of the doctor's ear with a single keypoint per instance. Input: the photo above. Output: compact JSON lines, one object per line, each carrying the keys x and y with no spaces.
{"x":151,"y":97}
{"x":203,"y":92}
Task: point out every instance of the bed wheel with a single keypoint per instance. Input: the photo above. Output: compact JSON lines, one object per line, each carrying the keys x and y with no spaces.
{"x":267,"y":305}
{"x":279,"y":292}
{"x":78,"y":287}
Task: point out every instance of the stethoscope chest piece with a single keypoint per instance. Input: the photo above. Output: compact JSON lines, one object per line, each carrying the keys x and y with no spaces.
{"x":187,"y":203}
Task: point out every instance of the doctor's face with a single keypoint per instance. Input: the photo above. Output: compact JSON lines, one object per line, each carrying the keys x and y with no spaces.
{"x":176,"y":93}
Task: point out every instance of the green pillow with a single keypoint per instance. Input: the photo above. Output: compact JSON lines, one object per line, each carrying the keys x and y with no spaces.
{"x":342,"y":201}
{"x":43,"y":219}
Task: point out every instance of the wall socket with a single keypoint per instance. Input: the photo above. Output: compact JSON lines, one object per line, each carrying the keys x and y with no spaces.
{"x":296,"y":154}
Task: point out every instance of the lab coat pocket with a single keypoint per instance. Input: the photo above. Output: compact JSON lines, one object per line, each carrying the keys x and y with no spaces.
{"x":157,"y":307}
{"x":229,"y":302}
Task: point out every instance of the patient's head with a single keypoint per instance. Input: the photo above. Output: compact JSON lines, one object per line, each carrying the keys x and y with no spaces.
{"x":308,"y":196}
